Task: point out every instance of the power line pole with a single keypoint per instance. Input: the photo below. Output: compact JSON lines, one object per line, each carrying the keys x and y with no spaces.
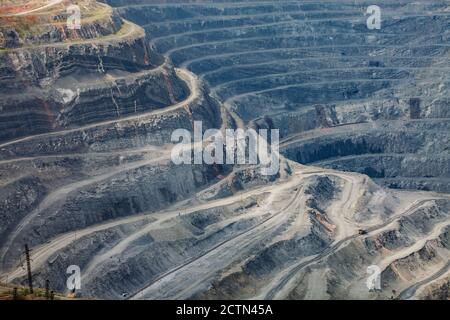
{"x":47,"y":289}
{"x":30,"y":278}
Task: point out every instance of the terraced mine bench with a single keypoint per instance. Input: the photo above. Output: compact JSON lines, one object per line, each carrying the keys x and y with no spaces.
{"x":86,"y":176}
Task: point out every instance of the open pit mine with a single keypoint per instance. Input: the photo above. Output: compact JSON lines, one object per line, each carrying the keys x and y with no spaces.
{"x":91,"y":92}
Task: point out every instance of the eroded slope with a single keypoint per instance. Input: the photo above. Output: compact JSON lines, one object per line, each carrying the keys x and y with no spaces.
{"x":93,"y":184}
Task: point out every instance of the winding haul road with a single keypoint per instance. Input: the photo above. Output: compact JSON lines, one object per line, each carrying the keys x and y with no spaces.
{"x":43,"y":252}
{"x":61,"y":193}
{"x":186,"y":75}
{"x":24,"y":13}
{"x":409,"y":292}
{"x":178,"y":282}
{"x":292,"y":272}
{"x":182,"y":280}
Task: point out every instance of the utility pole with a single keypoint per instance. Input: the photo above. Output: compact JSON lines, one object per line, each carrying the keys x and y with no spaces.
{"x":47,"y":289}
{"x":30,"y":278}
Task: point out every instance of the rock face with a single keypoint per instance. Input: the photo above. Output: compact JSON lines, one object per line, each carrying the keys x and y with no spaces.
{"x":85,"y":120}
{"x":86,"y":176}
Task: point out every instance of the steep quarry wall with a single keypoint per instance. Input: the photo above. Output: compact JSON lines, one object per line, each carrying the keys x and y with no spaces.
{"x":85,"y":171}
{"x":315,"y":65}
{"x":86,"y":120}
